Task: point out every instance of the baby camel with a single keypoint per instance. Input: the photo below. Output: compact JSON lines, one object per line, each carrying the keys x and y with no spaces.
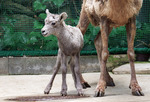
{"x":70,"y":41}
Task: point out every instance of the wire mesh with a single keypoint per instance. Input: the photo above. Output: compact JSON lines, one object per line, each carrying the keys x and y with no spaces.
{"x":22,"y":20}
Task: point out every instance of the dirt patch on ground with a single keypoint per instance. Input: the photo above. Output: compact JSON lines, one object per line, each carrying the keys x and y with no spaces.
{"x":45,"y":98}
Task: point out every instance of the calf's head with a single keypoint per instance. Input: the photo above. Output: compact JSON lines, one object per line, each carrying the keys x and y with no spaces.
{"x":53,"y":23}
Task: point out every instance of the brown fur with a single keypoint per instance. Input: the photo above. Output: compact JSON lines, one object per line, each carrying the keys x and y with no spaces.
{"x":108,"y":14}
{"x":118,"y":11}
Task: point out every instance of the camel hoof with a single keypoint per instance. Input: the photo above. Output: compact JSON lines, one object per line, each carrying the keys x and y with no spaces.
{"x":99,"y":94}
{"x":138,"y":93}
{"x":85,"y":85}
{"x":110,"y":83}
{"x":136,"y":89}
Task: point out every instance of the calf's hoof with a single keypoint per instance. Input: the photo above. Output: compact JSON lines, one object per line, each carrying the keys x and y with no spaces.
{"x":85,"y":85}
{"x":80,"y":92}
{"x":63,"y":93}
{"x":46,"y":91}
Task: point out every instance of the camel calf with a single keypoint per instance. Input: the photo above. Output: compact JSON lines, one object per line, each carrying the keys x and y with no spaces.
{"x":70,"y":41}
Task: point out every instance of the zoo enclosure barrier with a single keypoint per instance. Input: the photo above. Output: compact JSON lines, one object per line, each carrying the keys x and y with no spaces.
{"x":21,"y":22}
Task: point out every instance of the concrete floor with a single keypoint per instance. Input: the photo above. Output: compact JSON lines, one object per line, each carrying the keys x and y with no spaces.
{"x":12,"y":86}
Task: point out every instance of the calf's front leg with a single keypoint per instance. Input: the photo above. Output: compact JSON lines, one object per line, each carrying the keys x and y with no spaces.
{"x":56,"y":68}
{"x":64,"y":72}
{"x":131,"y":31}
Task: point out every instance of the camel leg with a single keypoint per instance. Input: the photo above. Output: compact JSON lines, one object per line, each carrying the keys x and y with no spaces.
{"x":83,"y":25}
{"x":98,"y":45}
{"x":104,"y":25}
{"x":56,"y":68}
{"x":83,"y":21}
{"x":131,"y":31}
{"x":109,"y":80}
{"x":64,"y":72}
{"x":84,"y":83}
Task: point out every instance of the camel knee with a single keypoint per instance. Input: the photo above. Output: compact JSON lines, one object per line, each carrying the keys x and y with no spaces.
{"x":105,"y":54}
{"x":98,"y":43}
{"x":131,"y":55}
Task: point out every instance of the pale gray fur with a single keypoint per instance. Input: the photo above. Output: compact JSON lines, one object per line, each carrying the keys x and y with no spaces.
{"x":70,"y":41}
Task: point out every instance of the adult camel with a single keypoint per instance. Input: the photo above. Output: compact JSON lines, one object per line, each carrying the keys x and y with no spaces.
{"x":108,"y":14}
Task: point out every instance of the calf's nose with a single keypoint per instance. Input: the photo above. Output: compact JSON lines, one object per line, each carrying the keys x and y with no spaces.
{"x":43,"y":31}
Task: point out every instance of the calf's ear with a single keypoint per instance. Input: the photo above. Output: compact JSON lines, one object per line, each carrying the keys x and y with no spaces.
{"x":47,"y":12}
{"x":63,"y":16}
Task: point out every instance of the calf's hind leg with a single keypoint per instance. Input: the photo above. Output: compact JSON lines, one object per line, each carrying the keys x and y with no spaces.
{"x":72,"y":70}
{"x":77,"y":74}
{"x":82,"y":81}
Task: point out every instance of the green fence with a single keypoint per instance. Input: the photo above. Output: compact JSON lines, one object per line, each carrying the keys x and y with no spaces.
{"x":22,"y":20}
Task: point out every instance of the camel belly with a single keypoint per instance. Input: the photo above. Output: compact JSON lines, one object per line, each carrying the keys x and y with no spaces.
{"x":118,"y":12}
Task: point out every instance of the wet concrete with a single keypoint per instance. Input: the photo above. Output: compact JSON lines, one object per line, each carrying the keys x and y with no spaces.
{"x":45,"y":98}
